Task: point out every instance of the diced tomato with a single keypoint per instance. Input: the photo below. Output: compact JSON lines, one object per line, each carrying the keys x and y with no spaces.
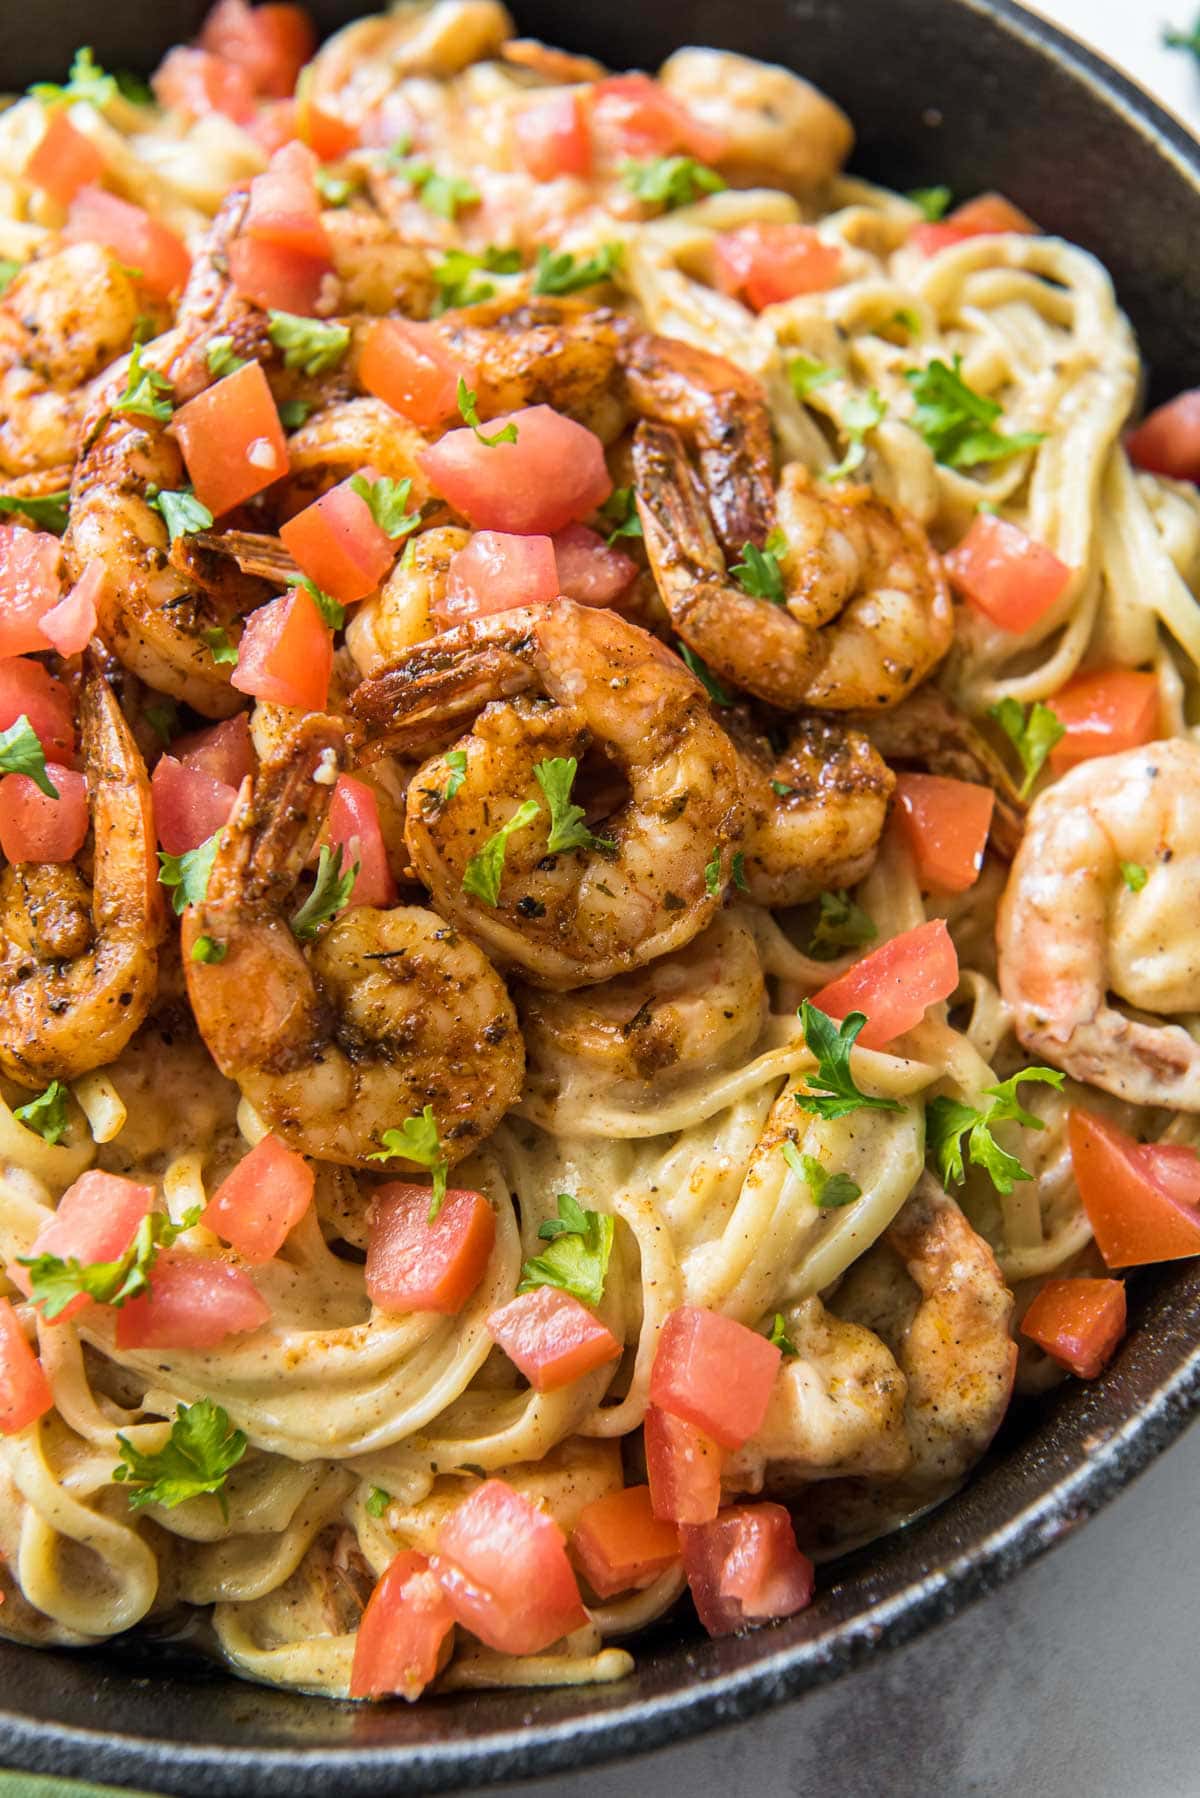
{"x":29,"y":586}
{"x":270,"y":43}
{"x":24,"y":1389}
{"x":264,"y":1197}
{"x":894,"y":984}
{"x":744,"y":1567}
{"x":945,"y":824}
{"x":192,"y":1304}
{"x":95,"y":1221}
{"x":553,"y":474}
{"x":160,"y":258}
{"x":274,"y":125}
{"x":1104,"y":711}
{"x":415,"y":1265}
{"x":589,"y":569}
{"x":36,"y":828}
{"x":400,"y":1634}
{"x":221,"y":750}
{"x":327,"y":134}
{"x":1009,"y":577}
{"x":338,"y":544}
{"x":714,"y":1373}
{"x":281,"y":257}
{"x":71,"y":624}
{"x":551,"y":1337}
{"x":553,"y":138}
{"x":196,"y":82}
{"x":27,"y":690}
{"x":985,"y":216}
{"x":683,"y":1467}
{"x":189,"y":805}
{"x":276,"y":278}
{"x":406,"y":365}
{"x":503,"y":1566}
{"x":1174,"y":1169}
{"x":353,"y":824}
{"x":1168,"y":439}
{"x":1135,"y":1215}
{"x":496,"y":572}
{"x":286,"y":653}
{"x":619,"y":1544}
{"x":1078,"y":1322}
{"x":232,"y":439}
{"x":64,"y":159}
{"x":769,"y":263}
{"x":635,"y":116}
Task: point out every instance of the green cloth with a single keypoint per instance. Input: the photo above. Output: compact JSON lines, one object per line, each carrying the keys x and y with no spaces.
{"x":33,"y":1785}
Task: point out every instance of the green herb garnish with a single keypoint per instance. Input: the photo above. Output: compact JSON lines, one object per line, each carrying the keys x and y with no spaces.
{"x":309,"y":344}
{"x":485,"y":870}
{"x":947,"y":1121}
{"x":417,"y":1140}
{"x":556,"y":776}
{"x":577,"y":1258}
{"x":1032,"y":734}
{"x":832,"y":1090}
{"x":198,"y":1455}
{"x":21,"y":752}
{"x":957,"y":423}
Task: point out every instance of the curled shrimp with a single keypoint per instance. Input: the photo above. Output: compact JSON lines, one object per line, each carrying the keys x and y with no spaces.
{"x":402,"y":613}
{"x":587,"y":913}
{"x":866,"y":614}
{"x":386,"y":1012}
{"x":1071,"y":929}
{"x":779,"y":130}
{"x":79,"y":962}
{"x":813,"y":813}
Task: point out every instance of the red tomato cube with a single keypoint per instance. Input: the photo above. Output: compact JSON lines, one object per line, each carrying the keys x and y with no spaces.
{"x":619,"y":1545}
{"x":25,"y":1393}
{"x":1174,"y":1169}
{"x":275,"y":278}
{"x":161,"y":258}
{"x":409,"y":368}
{"x":714,"y":1373}
{"x":496,"y":572}
{"x":189,"y":805}
{"x":503,"y":1566}
{"x":415,"y":1265}
{"x":27,"y":690}
{"x":264,"y":1197}
{"x":945,"y":824}
{"x":337,"y":543}
{"x":1136,"y":1216}
{"x":683,"y":1467}
{"x":286,"y":653}
{"x":36,"y":828}
{"x":551,"y":1337}
{"x":1009,"y":577}
{"x":770,"y":263}
{"x":285,"y":207}
{"x":64,"y":159}
{"x":635,"y":116}
{"x":1078,"y":1322}
{"x":270,"y":43}
{"x":553,"y":474}
{"x":192,"y":1304}
{"x":985,"y":216}
{"x":590,"y":570}
{"x":29,"y":587}
{"x":398,"y":1646}
{"x":1104,"y":711}
{"x":895,"y":983}
{"x":196,"y":82}
{"x":232,"y":440}
{"x":71,"y":624}
{"x":95,"y":1221}
{"x":1168,"y":439}
{"x":552,"y":137}
{"x":221,"y":750}
{"x":744,"y":1567}
{"x":353,"y":823}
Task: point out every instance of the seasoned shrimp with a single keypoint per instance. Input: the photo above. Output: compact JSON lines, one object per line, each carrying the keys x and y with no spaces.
{"x":360,"y":65}
{"x":1071,"y":931}
{"x":385,"y":1013}
{"x":63,"y":319}
{"x":779,"y":130}
{"x":813,"y":813}
{"x":400,"y":614}
{"x":585,"y":914}
{"x":79,"y":964}
{"x":867,"y":611}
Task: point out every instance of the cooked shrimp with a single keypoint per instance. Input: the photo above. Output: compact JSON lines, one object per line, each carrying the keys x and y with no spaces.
{"x":550,"y":64}
{"x":63,"y":319}
{"x":1071,"y":931}
{"x":542,"y":352}
{"x":400,"y":615}
{"x":779,"y":130}
{"x":386,"y":1012}
{"x":813,"y":813}
{"x":360,"y":65}
{"x":78,"y":965}
{"x":867,"y":611}
{"x":585,"y":914}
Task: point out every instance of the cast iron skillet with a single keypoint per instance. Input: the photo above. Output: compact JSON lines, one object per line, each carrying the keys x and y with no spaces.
{"x":978,"y":94}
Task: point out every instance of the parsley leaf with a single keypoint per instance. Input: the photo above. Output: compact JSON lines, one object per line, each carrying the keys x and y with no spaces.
{"x":841,"y":925}
{"x":198,"y":1455}
{"x":806,"y":375}
{"x":861,"y":413}
{"x":309,"y":344}
{"x":467,"y":406}
{"x":456,"y":761}
{"x":332,"y":613}
{"x":556,"y":777}
{"x":221,"y":648}
{"x":335,"y":190}
{"x":1134,"y":876}
{"x":444,"y":195}
{"x":387,"y":501}
{"x":455,"y":276}
{"x":957,"y":423}
{"x":188,"y":873}
{"x":947,"y":1121}
{"x":712,"y":872}
{"x":934,"y":202}
{"x":417,"y":1140}
{"x":293,"y":413}
{"x":620,"y":509}
{"x":671,"y":181}
{"x":833,"y":1092}
{"x":181,"y":511}
{"x":54,"y":1282}
{"x":1032,"y":735}
{"x":48,"y":511}
{"x":377,"y":1501}
{"x":331,"y":890}
{"x":1183,"y":40}
{"x":577,"y":1258}
{"x":780,"y":1339}
{"x":737,"y":871}
{"x":147,"y":393}
{"x":21,"y":752}
{"x":485,"y":870}
{"x":162,"y":715}
{"x":47,"y":1114}
{"x":759,"y":574}
{"x":704,"y":674}
{"x":208,"y":949}
{"x":221,"y":358}
{"x":86,"y":81}
{"x":560,"y":272}
{"x":829,"y":1191}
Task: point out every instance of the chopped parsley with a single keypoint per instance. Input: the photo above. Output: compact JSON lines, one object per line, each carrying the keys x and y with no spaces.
{"x":162,"y":715}
{"x":560,"y":272}
{"x":832,"y":1090}
{"x":1032,"y":734}
{"x":55,"y":1282}
{"x":292,"y":414}
{"x":387,"y":502}
{"x":417,"y":1140}
{"x":948,"y":1121}
{"x":759,"y":573}
{"x":48,"y":511}
{"x":377,"y":1501}
{"x":712,"y":872}
{"x":331,"y":890}
{"x":208,"y":949}
{"x":468,"y":411}
{"x":456,"y":761}
{"x":780,"y":1339}
{"x":85,"y":81}
{"x":147,"y":393}
{"x":9,"y":270}
{"x":187,"y":874}
{"x":182,"y":513}
{"x":1134,"y":876}
{"x":1174,"y":39}
{"x":198,"y":1455}
{"x":861,"y":413}
{"x":806,"y":375}
{"x":934,"y":202}
{"x":829,"y":1191}
{"x":737,"y":871}
{"x":336,"y":190}
{"x":455,"y":276}
{"x":47,"y":1114}
{"x":485,"y":870}
{"x":310,"y":344}
{"x":221,"y":647}
{"x":620,"y":509}
{"x":221,"y":358}
{"x":333,"y":613}
{"x":444,"y":195}
{"x":841,"y":924}
{"x":704,"y":674}
{"x":671,"y":181}
{"x":577,"y":1258}
{"x":957,"y":423}
{"x":556,"y":777}
{"x":21,"y":752}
